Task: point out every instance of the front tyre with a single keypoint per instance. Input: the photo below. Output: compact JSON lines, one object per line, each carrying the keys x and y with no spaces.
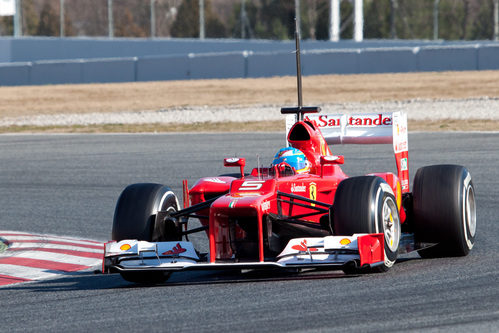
{"x":444,"y":210}
{"x":135,"y":218}
{"x":367,"y":204}
{"x":136,"y":209}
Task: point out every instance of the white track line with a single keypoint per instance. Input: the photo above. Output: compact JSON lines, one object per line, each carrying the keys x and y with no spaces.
{"x":59,"y":257}
{"x":32,"y":273}
{"x":49,"y":238}
{"x":53,"y":246}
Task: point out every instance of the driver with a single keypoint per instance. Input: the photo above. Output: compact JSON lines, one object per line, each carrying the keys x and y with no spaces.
{"x":294,"y":158}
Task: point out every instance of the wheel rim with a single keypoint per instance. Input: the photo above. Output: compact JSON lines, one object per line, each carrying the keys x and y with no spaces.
{"x":471,"y":211}
{"x":391,"y":224}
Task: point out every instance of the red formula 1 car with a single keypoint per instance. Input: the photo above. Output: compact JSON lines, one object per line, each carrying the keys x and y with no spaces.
{"x":302,"y":211}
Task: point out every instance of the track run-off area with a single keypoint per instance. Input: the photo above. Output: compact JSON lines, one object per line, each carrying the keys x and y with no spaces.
{"x":57,"y":197}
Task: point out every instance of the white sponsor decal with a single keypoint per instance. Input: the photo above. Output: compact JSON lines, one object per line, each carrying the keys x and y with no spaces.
{"x":403,"y":164}
{"x":251,"y":185}
{"x":232,"y":160}
{"x":399,"y":132}
{"x":369,"y":120}
{"x":215,"y":180}
{"x":298,"y":188}
{"x":266,"y":206}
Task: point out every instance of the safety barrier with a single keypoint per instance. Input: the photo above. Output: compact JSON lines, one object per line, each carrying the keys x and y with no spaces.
{"x":243,"y":64}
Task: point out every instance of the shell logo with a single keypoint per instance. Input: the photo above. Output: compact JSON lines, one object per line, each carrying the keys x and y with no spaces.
{"x":125,"y":247}
{"x":345,"y":241}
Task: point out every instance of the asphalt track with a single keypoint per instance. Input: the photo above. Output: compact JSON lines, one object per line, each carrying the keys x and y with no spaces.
{"x":68,"y":185}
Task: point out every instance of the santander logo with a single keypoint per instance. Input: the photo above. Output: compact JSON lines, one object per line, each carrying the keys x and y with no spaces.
{"x":303,"y":247}
{"x":367,"y":120}
{"x":298,"y":188}
{"x":177,"y":249}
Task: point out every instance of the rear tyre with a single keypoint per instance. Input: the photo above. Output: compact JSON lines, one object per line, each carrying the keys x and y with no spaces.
{"x":444,"y":210}
{"x":135,"y":216}
{"x":366,"y":204}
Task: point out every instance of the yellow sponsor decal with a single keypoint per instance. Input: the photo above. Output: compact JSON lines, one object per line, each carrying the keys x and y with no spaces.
{"x":345,"y":241}
{"x":399,"y":195}
{"x":125,"y":247}
{"x":313,"y":192}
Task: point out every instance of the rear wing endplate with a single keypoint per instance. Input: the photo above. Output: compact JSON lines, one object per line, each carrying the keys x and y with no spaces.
{"x":365,"y":128}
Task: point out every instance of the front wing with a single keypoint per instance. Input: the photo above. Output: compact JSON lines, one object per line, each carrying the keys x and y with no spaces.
{"x":333,"y":252}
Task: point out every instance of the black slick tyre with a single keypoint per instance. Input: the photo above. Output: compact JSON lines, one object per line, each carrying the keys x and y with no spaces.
{"x":136,"y":210}
{"x":367,"y":204}
{"x":444,"y":210}
{"x":134,"y":218}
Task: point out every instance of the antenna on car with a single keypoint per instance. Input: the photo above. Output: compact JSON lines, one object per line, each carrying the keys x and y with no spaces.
{"x":300,"y":110}
{"x":298,"y":65}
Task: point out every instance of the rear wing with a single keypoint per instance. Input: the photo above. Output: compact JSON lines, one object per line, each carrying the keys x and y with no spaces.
{"x":365,"y":128}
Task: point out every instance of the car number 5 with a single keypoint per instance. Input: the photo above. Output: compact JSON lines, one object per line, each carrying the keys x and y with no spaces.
{"x":251,"y":185}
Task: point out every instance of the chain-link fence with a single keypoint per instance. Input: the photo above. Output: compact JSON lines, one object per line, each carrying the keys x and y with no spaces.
{"x":260,"y":19}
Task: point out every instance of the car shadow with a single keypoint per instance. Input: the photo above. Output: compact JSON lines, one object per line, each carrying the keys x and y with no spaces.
{"x":99,"y":281}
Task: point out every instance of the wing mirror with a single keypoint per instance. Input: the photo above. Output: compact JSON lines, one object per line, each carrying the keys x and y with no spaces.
{"x":236,"y":162}
{"x":331,"y":160}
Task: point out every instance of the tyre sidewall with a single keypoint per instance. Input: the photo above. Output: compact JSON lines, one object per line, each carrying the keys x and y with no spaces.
{"x":358,"y":208}
{"x":136,"y":209}
{"x":441,"y":195}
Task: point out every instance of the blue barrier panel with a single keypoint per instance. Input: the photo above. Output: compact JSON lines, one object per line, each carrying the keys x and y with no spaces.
{"x":387,"y":60}
{"x":56,"y":72}
{"x":52,"y":48}
{"x":5,"y":50}
{"x":340,"y":60}
{"x":217,"y":66}
{"x":163,"y":68}
{"x":447,"y":58}
{"x":488,"y":57}
{"x":330,"y":62}
{"x":36,"y":49}
{"x":271,"y":64}
{"x":15,"y":74}
{"x":108,"y":70}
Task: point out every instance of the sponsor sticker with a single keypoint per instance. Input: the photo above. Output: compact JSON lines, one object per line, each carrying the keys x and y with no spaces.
{"x":177,"y":249}
{"x":125,"y":247}
{"x":298,"y":188}
{"x":403,"y":164}
{"x":215,"y":180}
{"x":265,"y":206}
{"x":302,"y":247}
{"x":313,"y":192}
{"x":368,"y":120}
{"x":251,"y":185}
